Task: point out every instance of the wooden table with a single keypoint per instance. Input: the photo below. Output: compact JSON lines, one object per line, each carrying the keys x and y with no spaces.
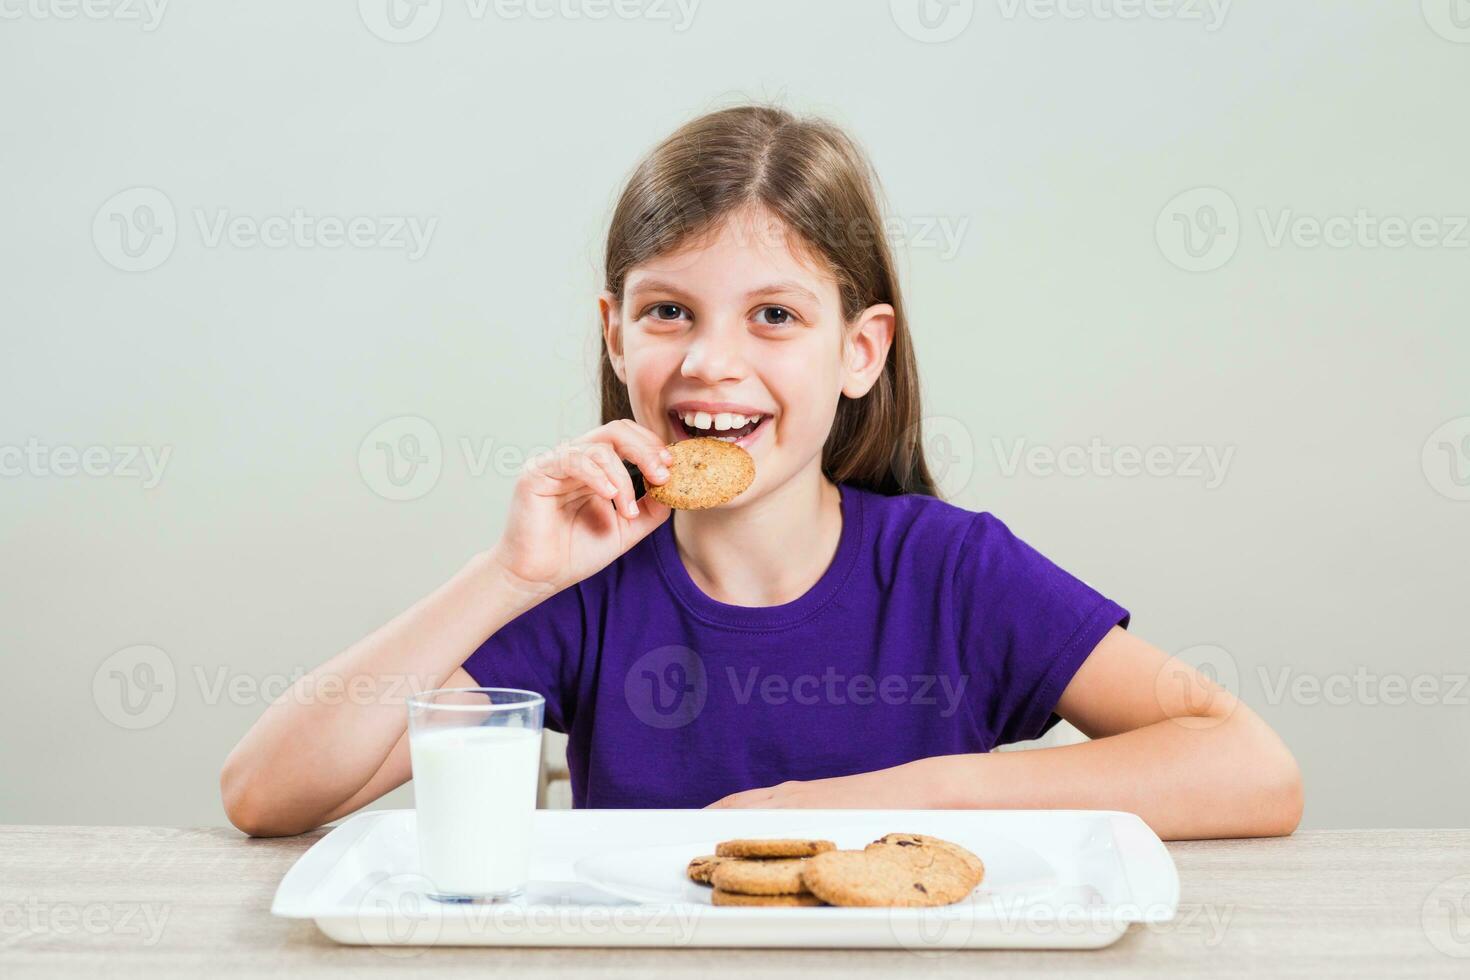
{"x":160,"y":902}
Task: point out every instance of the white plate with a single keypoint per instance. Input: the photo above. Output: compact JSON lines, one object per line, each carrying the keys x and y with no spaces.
{"x":1054,"y":880}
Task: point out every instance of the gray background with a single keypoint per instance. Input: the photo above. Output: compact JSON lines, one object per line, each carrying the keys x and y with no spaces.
{"x":1333,"y":549}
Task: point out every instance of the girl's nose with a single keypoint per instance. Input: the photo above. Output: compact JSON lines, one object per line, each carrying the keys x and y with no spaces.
{"x":715,"y":354}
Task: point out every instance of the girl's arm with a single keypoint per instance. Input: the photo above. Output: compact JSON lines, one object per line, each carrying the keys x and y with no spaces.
{"x":1169,"y":745}
{"x":336,"y":740}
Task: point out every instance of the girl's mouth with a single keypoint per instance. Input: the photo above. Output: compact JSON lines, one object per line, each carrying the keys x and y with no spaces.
{"x":724,"y":426}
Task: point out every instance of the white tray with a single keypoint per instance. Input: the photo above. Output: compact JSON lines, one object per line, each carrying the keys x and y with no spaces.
{"x":1055,"y":879}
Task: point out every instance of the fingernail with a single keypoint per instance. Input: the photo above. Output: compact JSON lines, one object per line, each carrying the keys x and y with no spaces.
{"x":632,"y":508}
{"x":665,"y":455}
{"x":608,"y":488}
{"x":661,"y":473}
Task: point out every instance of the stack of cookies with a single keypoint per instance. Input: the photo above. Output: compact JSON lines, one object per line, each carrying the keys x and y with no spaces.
{"x":896,"y":870}
{"x":759,"y":872}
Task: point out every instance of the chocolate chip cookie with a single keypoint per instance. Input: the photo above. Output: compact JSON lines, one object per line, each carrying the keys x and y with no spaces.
{"x":718,"y":897}
{"x":760,"y":876}
{"x":772,"y":847}
{"x":912,"y":847}
{"x":701,"y":868}
{"x":889,"y":875}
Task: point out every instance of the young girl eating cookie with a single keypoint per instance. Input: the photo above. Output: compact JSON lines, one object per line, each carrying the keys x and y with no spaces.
{"x":833,"y":635}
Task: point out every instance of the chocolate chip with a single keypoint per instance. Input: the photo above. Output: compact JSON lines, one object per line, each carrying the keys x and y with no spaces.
{"x":921,"y":888}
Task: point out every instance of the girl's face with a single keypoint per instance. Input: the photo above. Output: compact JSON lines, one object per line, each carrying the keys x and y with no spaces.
{"x":738,"y":336}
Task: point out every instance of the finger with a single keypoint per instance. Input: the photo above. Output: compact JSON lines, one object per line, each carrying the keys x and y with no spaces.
{"x":651,"y":514}
{"x":744,"y":799}
{"x":636,"y":431}
{"x":638,"y":445}
{"x":565,"y":468}
{"x":607,"y":461}
{"x":585,"y":469}
{"x":750,"y":800}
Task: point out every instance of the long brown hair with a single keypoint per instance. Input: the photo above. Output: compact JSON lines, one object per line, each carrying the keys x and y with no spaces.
{"x":812,"y":176}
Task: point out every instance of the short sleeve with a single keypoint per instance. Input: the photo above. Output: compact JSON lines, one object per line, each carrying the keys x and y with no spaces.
{"x":540,"y":650}
{"x":1026,"y":626}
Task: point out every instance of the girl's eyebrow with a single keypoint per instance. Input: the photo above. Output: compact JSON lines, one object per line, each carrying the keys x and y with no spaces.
{"x":784,"y":287}
{"x":653,"y":286}
{"x":662,"y":286}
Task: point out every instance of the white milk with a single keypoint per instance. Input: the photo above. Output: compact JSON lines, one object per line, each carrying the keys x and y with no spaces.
{"x":475,"y":792}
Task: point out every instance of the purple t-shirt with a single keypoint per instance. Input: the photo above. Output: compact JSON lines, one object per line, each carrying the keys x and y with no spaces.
{"x":934,"y":631}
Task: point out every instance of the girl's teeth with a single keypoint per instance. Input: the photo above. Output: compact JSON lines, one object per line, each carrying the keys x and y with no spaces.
{"x":718,"y":422}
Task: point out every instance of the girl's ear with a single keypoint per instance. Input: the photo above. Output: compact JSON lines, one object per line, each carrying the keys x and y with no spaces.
{"x":865,"y":349}
{"x":611,"y":312}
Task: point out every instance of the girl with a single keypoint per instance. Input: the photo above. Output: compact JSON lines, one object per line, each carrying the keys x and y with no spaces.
{"x":835,"y":636}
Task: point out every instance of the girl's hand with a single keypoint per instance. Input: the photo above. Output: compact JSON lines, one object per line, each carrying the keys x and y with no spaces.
{"x":573,"y":511}
{"x":790,"y":794}
{"x":902,"y":787}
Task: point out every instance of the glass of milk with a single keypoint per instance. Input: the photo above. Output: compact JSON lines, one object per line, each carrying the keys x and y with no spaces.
{"x":476,"y":758}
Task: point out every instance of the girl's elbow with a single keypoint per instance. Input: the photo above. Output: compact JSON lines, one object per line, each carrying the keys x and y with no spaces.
{"x":250,"y":822}
{"x":1267,"y":777}
{"x":1281,"y":796}
{"x":239,"y":802}
{"x":248,"y":804}
{"x":1294,"y":797}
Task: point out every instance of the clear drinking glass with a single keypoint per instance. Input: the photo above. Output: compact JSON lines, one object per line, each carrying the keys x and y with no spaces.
{"x":476,"y":757}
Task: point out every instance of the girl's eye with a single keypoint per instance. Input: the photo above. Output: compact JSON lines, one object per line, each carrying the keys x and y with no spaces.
{"x":666,"y":311}
{"x":774,"y":316}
